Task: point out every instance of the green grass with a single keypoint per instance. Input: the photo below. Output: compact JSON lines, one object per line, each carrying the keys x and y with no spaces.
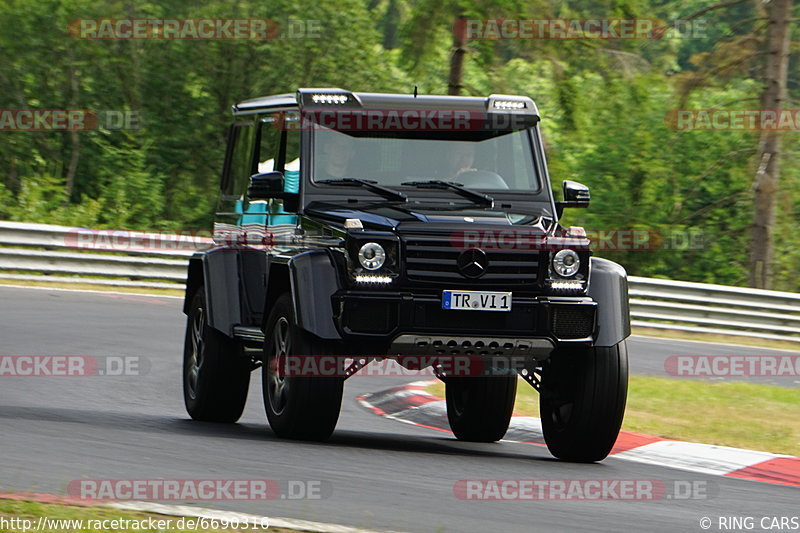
{"x":18,"y":509}
{"x":742,"y":415}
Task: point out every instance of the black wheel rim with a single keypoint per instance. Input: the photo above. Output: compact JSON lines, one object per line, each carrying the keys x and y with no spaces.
{"x":561,"y":414}
{"x":559,"y":394}
{"x":459,"y":399}
{"x":195,"y":362}
{"x":277,"y":385}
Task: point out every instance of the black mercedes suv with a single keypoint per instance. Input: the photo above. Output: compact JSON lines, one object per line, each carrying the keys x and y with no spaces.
{"x":423,"y":230}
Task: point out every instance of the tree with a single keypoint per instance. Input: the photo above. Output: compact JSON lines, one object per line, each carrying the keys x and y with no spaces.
{"x":769,"y":149}
{"x":764,"y":49}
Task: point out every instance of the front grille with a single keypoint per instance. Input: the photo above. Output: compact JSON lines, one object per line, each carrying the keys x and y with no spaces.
{"x":572,"y":321}
{"x":434,"y":258}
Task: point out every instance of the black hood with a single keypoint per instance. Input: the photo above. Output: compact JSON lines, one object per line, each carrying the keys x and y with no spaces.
{"x":404,"y":218}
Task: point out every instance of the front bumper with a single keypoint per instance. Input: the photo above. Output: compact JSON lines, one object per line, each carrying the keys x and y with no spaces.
{"x":384,"y":316}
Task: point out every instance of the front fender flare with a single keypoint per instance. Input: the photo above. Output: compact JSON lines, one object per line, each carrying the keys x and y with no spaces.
{"x":608,"y":286}
{"x":314,"y":280}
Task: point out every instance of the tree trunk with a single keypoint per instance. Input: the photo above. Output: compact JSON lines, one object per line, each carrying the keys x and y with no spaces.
{"x":391,"y":24}
{"x":765,"y":186}
{"x":455,"y":78}
{"x":72,"y":168}
{"x":74,"y":137}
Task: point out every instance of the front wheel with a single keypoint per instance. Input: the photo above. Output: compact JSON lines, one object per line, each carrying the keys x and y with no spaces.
{"x":479,"y":408}
{"x":298,"y":407}
{"x":582,"y":401}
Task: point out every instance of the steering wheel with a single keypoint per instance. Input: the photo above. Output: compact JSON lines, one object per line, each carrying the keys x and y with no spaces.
{"x":481,"y":179}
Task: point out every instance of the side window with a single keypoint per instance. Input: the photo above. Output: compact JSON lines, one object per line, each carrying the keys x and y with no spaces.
{"x":239,"y":160}
{"x":279,"y":149}
{"x":269,"y":143}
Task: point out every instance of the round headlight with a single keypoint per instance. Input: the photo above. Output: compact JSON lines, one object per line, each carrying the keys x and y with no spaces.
{"x":566,"y":263}
{"x":372,"y":256}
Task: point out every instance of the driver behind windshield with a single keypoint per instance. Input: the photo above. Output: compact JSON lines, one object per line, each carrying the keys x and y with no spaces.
{"x":460,"y":168}
{"x":460,"y":158}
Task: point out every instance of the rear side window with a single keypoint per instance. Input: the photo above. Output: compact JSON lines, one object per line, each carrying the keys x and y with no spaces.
{"x":239,"y":163}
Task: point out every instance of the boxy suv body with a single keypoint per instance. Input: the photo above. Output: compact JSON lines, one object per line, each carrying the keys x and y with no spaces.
{"x":354,"y":227}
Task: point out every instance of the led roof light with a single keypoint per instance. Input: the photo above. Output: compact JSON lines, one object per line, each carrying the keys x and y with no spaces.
{"x":509,"y":104}
{"x":329,"y":98}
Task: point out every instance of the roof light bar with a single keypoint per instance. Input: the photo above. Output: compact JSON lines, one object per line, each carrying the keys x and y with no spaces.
{"x":329,"y":98}
{"x":509,"y":104}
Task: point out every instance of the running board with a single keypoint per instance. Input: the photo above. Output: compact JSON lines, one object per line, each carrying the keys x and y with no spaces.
{"x":248,"y":334}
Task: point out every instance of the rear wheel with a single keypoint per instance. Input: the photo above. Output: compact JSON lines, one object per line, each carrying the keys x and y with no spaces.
{"x":582,"y":401}
{"x":215,"y":376}
{"x":479,"y":408}
{"x":298,"y":407}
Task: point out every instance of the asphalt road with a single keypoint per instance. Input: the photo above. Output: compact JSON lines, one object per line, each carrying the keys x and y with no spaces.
{"x":377,"y":473}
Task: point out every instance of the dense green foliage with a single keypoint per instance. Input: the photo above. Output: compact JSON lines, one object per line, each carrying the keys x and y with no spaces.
{"x":603,"y":105}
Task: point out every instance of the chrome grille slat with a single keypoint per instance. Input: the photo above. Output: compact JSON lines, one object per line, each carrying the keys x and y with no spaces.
{"x":433,"y":274}
{"x":428,"y":261}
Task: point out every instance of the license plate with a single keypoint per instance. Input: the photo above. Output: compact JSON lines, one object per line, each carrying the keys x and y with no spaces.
{"x":476,"y":300}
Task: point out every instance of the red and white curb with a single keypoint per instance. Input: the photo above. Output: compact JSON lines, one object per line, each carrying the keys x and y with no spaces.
{"x":411,"y":404}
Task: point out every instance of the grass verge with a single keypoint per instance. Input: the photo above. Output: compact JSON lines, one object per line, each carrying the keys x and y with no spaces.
{"x":742,"y":415}
{"x":90,"y":287}
{"x":723,"y":339}
{"x":57,"y":514}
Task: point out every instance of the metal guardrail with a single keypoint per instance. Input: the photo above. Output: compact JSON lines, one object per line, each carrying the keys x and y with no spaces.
{"x":719,"y":309}
{"x":99,"y":257}
{"x":130,"y":259}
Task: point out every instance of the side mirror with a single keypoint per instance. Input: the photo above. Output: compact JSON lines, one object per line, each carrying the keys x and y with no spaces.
{"x":575,"y":195}
{"x":268,"y":185}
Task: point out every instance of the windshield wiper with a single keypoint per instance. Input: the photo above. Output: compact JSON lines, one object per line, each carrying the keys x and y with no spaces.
{"x":475,"y":196}
{"x":386,"y":192}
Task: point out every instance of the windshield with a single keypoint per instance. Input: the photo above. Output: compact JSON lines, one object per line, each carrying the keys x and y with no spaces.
{"x":491,"y":160}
